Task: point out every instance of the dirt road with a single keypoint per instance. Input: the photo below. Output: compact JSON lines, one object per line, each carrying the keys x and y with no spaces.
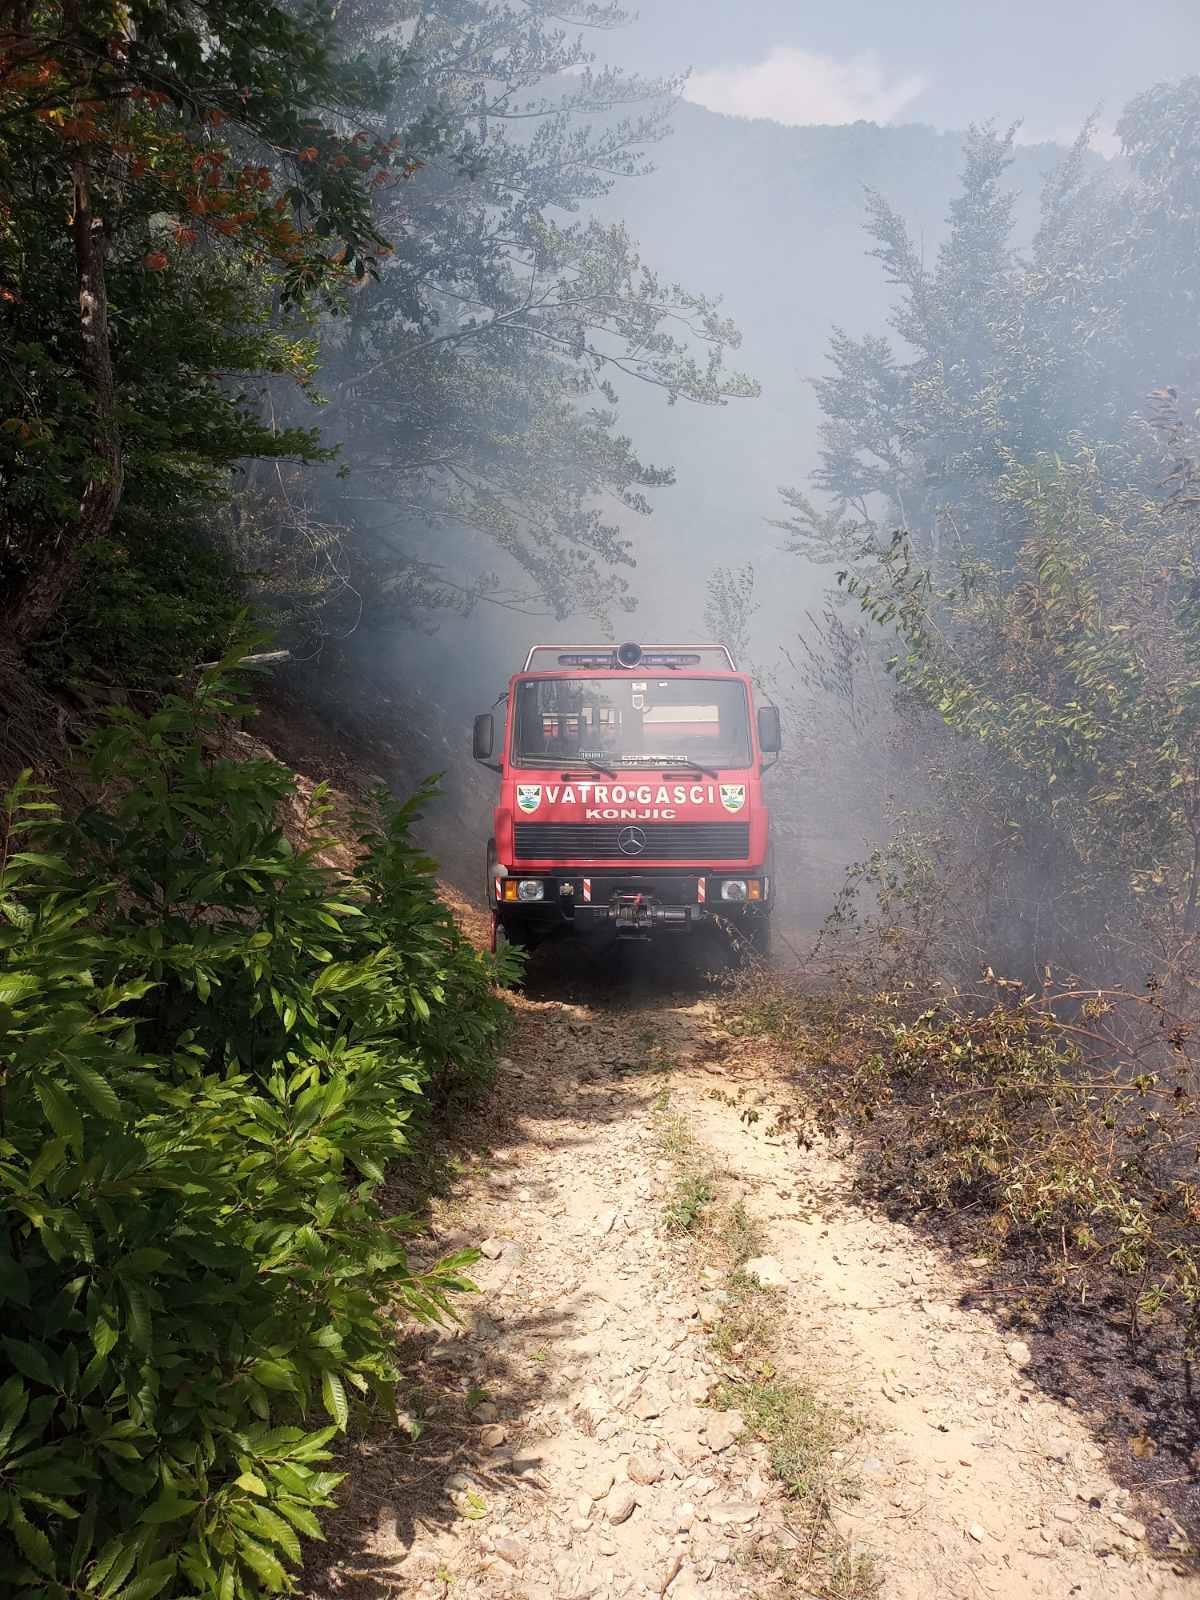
{"x":571,"y":1437}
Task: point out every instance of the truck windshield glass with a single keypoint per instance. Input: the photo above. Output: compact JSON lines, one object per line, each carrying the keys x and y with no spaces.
{"x":631,"y":721}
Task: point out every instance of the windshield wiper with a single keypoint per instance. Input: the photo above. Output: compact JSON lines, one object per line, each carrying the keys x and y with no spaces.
{"x":585,"y":761}
{"x":678,"y":761}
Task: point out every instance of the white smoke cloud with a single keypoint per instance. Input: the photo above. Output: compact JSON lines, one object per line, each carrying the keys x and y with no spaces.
{"x":803,"y":87}
{"x":1103,"y":140}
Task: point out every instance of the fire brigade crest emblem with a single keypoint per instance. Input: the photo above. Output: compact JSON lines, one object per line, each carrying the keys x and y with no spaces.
{"x":529,"y":796}
{"x":733,"y":796}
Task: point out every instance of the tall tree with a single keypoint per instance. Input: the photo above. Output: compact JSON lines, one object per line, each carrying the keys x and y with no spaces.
{"x":1038,"y":594}
{"x":473,"y":384}
{"x":129,"y":135}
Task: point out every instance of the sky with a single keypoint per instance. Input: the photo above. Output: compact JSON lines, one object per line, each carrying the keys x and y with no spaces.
{"x":1048,"y":63}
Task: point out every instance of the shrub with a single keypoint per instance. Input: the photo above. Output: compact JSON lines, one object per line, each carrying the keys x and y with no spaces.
{"x":210,"y":1047}
{"x":151,"y":601}
{"x":1065,"y":1122}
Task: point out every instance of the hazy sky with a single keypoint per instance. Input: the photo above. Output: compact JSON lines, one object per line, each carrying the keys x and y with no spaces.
{"x":946,"y":62}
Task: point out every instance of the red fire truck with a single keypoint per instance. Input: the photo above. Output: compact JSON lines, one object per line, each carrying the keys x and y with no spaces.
{"x":630,"y":794}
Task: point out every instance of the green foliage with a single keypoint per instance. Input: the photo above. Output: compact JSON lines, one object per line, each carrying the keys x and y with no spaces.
{"x":122,"y":336}
{"x":210,"y":1047}
{"x":475,"y":385}
{"x":693,"y":1195}
{"x":1038,"y":600}
{"x":152,"y":600}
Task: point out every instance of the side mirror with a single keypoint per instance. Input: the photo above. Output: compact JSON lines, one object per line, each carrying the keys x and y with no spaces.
{"x":770,"y":734}
{"x":483,"y":739}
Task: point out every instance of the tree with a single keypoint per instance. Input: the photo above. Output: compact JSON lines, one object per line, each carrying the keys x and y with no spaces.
{"x":473,"y":386}
{"x":159,"y":130}
{"x":1038,"y":596}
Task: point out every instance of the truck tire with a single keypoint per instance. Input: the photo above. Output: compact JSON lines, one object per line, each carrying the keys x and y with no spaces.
{"x":489,"y":882}
{"x":515,"y":933}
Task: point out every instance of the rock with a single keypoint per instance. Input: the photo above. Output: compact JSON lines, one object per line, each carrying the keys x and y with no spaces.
{"x":581,"y":1524}
{"x":648,"y":1405}
{"x":685,"y":1587}
{"x":598,"y":1482}
{"x":605,"y":1222}
{"x":592,"y":1405}
{"x":524,"y":1196}
{"x":977,"y":1532}
{"x":1065,"y":1513}
{"x":684,"y":1516}
{"x":485,"y":1411}
{"x":644,"y":1469}
{"x":687,"y":1447}
{"x":723,"y":1429}
{"x":509,"y":1550}
{"x":620,"y":1505}
{"x":1019,"y":1353}
{"x":721,"y":1552}
{"x":710,"y":1313}
{"x":1135,"y":1530}
{"x":493,"y":1436}
{"x":766,"y":1271}
{"x":731,"y":1515}
{"x":583,"y":1505}
{"x":493,"y":1249}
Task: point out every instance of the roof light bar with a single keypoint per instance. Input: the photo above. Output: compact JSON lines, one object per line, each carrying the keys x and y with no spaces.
{"x":649,"y":658}
{"x":601,"y":654}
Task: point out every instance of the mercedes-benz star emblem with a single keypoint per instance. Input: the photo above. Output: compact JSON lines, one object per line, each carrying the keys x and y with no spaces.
{"x":631,"y":841}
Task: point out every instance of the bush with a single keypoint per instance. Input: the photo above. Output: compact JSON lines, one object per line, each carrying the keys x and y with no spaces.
{"x":1063,"y":1122}
{"x":210,"y":1047}
{"x":150,"y":602}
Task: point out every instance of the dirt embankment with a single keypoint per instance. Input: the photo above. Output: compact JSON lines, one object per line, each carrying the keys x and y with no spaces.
{"x":366,"y":733}
{"x":611,"y":1418}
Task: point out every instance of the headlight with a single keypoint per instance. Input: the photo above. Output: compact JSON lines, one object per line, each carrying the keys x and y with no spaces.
{"x":531,"y":889}
{"x":733,"y":889}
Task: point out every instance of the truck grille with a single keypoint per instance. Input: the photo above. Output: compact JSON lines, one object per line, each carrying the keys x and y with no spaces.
{"x":665,"y":841}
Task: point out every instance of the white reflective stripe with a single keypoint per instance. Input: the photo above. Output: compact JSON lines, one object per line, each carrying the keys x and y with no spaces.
{"x":701,"y":890}
{"x":587,"y":890}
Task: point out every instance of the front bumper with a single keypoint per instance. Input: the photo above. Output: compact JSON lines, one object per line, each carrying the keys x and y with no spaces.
{"x":659,"y":899}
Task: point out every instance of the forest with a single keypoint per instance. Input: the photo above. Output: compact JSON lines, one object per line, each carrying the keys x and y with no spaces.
{"x":343,"y":332}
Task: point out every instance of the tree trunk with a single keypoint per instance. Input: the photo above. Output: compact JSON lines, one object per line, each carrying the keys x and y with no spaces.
{"x":42,"y":596}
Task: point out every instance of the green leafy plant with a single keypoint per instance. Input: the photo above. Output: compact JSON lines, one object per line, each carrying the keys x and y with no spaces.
{"x":211,"y":1045}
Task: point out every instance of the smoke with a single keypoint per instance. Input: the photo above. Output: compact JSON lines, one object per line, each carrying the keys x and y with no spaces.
{"x":492,"y":523}
{"x":801,"y":88}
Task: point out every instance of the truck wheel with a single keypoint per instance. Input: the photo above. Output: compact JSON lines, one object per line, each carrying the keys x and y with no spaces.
{"x":489,"y":882}
{"x":751,"y":939}
{"x":517,"y":934}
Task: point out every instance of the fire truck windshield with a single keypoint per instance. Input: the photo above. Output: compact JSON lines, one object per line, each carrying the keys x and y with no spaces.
{"x":631,"y":721}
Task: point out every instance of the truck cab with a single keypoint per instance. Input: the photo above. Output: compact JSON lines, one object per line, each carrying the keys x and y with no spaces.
{"x":631,"y":794}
